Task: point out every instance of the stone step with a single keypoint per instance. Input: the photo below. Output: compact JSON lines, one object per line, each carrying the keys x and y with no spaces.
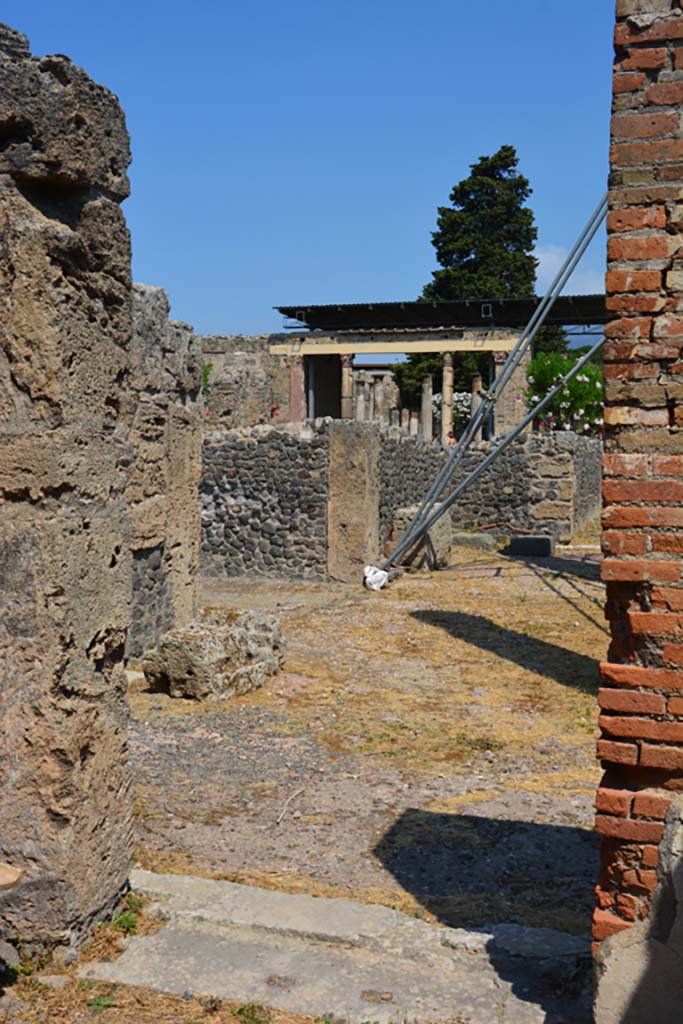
{"x":339,"y":958}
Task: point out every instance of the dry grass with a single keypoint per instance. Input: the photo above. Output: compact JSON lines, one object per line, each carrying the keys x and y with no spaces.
{"x":82,"y":1000}
{"x":442,"y":667}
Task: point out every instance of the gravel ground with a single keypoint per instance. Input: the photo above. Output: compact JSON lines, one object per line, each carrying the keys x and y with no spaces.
{"x":411,"y":754}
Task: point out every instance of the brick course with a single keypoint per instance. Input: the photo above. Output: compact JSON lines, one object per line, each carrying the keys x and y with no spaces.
{"x":641,"y":698}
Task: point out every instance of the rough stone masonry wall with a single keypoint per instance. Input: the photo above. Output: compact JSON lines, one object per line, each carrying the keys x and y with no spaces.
{"x":65,"y":533}
{"x":264,"y":502}
{"x":544,"y":482}
{"x":642,"y":680}
{"x":166,"y":433}
{"x":245,"y":383}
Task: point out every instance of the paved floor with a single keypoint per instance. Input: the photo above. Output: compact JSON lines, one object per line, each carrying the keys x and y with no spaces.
{"x":341,"y":959}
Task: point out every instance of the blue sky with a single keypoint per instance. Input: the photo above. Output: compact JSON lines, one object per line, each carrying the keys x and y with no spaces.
{"x":296,"y":153}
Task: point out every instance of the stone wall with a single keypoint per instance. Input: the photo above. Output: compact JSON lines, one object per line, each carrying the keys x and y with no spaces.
{"x":264,"y":502}
{"x":642,"y":679}
{"x":245,"y":382}
{"x":162,"y":491}
{"x":65,"y":529}
{"x":547,"y":483}
{"x":301,"y":502}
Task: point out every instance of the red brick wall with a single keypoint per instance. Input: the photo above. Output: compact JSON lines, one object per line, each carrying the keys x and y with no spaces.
{"x":641,"y":698}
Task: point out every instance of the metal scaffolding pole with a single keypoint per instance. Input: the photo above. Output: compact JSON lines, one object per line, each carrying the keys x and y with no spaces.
{"x":511,"y":363}
{"x":409,"y":539}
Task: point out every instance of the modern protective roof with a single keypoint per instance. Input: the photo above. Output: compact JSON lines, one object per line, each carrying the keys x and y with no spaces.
{"x":568,"y":310}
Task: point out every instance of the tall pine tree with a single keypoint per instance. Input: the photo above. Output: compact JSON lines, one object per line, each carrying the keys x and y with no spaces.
{"x":484,"y":243}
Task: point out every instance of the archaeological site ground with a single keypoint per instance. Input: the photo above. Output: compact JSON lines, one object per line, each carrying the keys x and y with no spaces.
{"x":238,"y":785}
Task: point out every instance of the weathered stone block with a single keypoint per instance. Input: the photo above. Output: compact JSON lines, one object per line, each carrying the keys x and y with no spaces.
{"x":221,"y":655}
{"x":353,"y":499}
{"x":432,"y":550}
{"x":531,"y":547}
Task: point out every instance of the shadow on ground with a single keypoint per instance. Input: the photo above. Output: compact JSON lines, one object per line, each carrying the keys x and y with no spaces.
{"x":584,"y":568}
{"x":548,"y":659}
{"x":476,"y":873}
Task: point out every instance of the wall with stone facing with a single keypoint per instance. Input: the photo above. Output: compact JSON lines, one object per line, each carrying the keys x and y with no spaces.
{"x":263,"y":500}
{"x":303,"y":502}
{"x":166,"y":433}
{"x":65,"y":529}
{"x":642,"y":679}
{"x":245,"y":382}
{"x":546,"y":483}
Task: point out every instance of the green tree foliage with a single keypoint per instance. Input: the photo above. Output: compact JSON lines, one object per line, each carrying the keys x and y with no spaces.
{"x":484,"y":242}
{"x":578,"y":406}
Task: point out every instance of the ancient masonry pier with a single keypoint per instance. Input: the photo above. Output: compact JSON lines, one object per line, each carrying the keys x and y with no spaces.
{"x":639,"y":801}
{"x":100,"y":458}
{"x":65,"y":527}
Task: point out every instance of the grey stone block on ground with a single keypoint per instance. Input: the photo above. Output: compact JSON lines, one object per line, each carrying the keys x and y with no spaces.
{"x":432,"y":550}
{"x":478,"y":541}
{"x":531,"y":547}
{"x":224,"y":654}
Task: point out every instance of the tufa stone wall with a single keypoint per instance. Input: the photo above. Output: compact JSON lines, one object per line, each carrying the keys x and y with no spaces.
{"x":264,"y":502}
{"x":352,"y":498}
{"x":642,"y":679}
{"x":65,"y":530}
{"x":166,"y":432}
{"x":245,"y":382}
{"x":548,"y":483}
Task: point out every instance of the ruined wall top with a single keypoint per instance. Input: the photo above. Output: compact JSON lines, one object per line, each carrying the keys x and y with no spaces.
{"x":57,"y":125}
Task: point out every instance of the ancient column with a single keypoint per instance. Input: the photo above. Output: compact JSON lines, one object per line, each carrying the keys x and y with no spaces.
{"x":476,"y":401}
{"x":447,"y":397}
{"x":414,"y":422}
{"x":405,"y":419}
{"x":640,"y":800}
{"x":388,"y":398}
{"x":346,"y":387}
{"x":65,"y":529}
{"x":427,"y":413}
{"x":297,"y":389}
{"x":360,"y":402}
{"x":370,"y":392}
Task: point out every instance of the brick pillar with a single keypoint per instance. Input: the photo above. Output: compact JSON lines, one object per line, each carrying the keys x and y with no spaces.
{"x":641,"y":697}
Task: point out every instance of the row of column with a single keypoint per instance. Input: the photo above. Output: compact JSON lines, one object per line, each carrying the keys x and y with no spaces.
{"x":414,"y":423}
{"x":411,"y":422}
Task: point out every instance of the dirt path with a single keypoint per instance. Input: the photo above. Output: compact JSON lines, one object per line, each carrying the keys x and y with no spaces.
{"x":430,"y":747}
